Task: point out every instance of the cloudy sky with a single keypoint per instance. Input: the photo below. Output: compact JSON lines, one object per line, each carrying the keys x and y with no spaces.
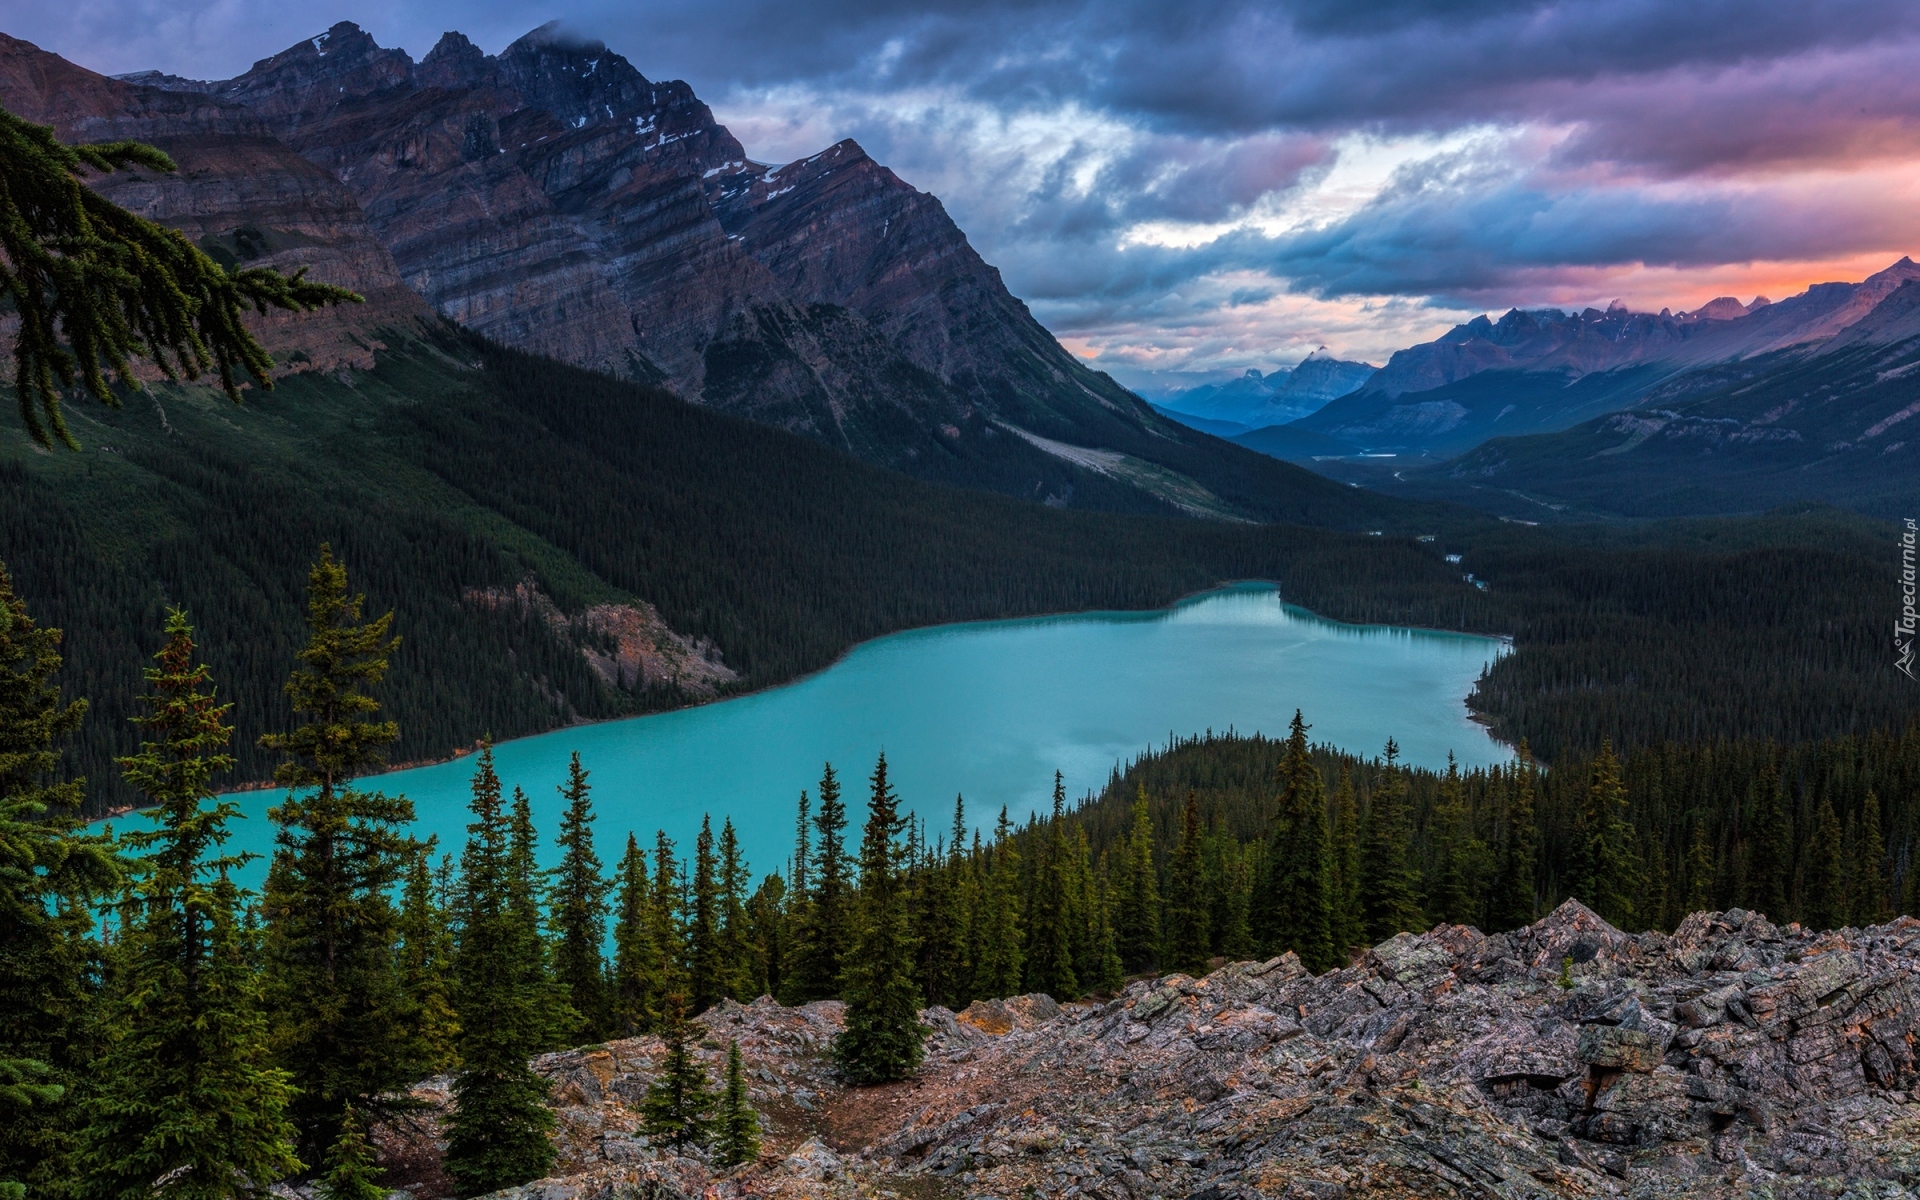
{"x":1192,"y":187}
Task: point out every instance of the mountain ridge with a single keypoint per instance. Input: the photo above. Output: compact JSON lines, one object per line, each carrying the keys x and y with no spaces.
{"x":554,"y":199}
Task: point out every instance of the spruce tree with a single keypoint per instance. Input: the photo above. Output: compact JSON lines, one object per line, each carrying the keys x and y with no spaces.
{"x":822,"y":937}
{"x":1606,"y":869}
{"x":936,"y":931}
{"x":738,"y":1133}
{"x":1390,"y":888}
{"x":664,"y":917}
{"x":579,"y":904}
{"x":1186,"y":923}
{"x":883,"y":1038}
{"x":706,"y":970}
{"x":93,"y":285}
{"x":1770,"y":880}
{"x":1700,"y":869}
{"x":426,"y":960}
{"x":1826,"y":870}
{"x":526,"y":901}
{"x":345,"y":1027}
{"x":350,"y":1171}
{"x":53,"y":873}
{"x":678,"y":1108}
{"x":1454,"y":894}
{"x":1137,"y":903}
{"x":1233,"y":936}
{"x":1049,"y":931}
{"x":1346,"y":917}
{"x":743,"y":970}
{"x":497,"y":1133}
{"x":185,"y":1088}
{"x":767,"y":930}
{"x":1869,"y":878}
{"x":1294,"y":913}
{"x":637,"y":980}
{"x":1103,"y":973}
{"x":1000,"y":968}
{"x":1513,"y":899}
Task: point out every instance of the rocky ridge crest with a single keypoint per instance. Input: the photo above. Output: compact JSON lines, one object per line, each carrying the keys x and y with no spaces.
{"x":1731,"y":1058}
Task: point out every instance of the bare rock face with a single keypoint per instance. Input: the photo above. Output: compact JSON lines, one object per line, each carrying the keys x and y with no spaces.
{"x":555,"y":199}
{"x":1568,"y":1059}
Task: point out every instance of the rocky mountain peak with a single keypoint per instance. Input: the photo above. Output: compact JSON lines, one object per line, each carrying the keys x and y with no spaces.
{"x":578,"y":80}
{"x":342,"y":64}
{"x":453,"y":62}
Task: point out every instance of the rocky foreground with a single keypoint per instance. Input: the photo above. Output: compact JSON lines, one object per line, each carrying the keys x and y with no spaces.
{"x":1732,"y":1058}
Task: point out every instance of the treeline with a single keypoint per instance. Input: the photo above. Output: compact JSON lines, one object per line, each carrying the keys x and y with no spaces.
{"x":458,"y":465}
{"x":1823,"y":833}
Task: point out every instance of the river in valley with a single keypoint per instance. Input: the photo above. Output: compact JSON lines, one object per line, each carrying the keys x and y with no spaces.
{"x":988,"y":710}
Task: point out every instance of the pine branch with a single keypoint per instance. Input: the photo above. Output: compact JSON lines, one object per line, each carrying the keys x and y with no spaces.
{"x":95,"y":286}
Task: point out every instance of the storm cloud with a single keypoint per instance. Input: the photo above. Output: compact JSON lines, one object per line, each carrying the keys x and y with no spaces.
{"x":1209,"y":185}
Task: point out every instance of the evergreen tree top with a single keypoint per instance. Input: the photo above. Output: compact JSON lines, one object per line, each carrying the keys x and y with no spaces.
{"x":342,"y":658}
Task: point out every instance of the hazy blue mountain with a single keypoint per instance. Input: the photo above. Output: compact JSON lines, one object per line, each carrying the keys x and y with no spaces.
{"x":1837,"y":422}
{"x":1274,"y":398}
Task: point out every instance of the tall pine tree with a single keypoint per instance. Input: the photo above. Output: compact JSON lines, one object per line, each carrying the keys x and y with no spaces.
{"x":1347,"y":917}
{"x":579,"y":904}
{"x":1295,"y":913}
{"x":1513,"y":897}
{"x":1390,"y":892}
{"x":820,"y":942}
{"x":1606,"y":865}
{"x":1049,"y":927}
{"x":999,"y":971}
{"x":1137,"y":900}
{"x":52,"y":874}
{"x":186,"y":1089}
{"x":637,"y":977}
{"x":497,"y":1134}
{"x":345,"y":1027}
{"x":883,"y":1038}
{"x":1186,"y":923}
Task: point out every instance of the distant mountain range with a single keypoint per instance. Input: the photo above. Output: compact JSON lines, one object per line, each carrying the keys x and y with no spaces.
{"x":1255,"y":400}
{"x":1546,"y":370}
{"x":555,"y":200}
{"x":1837,"y":421}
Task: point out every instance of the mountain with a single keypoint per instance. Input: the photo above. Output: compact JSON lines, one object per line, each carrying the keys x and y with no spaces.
{"x":1548,"y":370}
{"x":554,"y":199}
{"x":1255,"y":400}
{"x":1834,"y":422}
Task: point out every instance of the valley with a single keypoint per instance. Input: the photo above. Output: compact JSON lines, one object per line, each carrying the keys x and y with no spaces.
{"x":545,"y":658}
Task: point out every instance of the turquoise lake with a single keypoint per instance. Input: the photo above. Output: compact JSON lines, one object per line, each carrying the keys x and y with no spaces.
{"x":988,"y":710}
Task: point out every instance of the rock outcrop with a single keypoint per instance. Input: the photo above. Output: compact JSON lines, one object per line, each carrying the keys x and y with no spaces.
{"x":1732,"y":1058}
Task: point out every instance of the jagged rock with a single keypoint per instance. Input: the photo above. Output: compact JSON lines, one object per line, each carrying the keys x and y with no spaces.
{"x":1443,"y":1063}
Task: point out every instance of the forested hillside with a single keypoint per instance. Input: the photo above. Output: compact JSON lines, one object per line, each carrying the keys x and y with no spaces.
{"x":456,"y":471}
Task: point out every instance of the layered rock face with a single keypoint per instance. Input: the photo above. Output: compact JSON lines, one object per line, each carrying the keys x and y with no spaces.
{"x":1732,"y":1058}
{"x":555,"y":199}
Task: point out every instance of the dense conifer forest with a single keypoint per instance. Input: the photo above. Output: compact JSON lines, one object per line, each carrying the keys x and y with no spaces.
{"x":157,"y":1020}
{"x":457,"y":466}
